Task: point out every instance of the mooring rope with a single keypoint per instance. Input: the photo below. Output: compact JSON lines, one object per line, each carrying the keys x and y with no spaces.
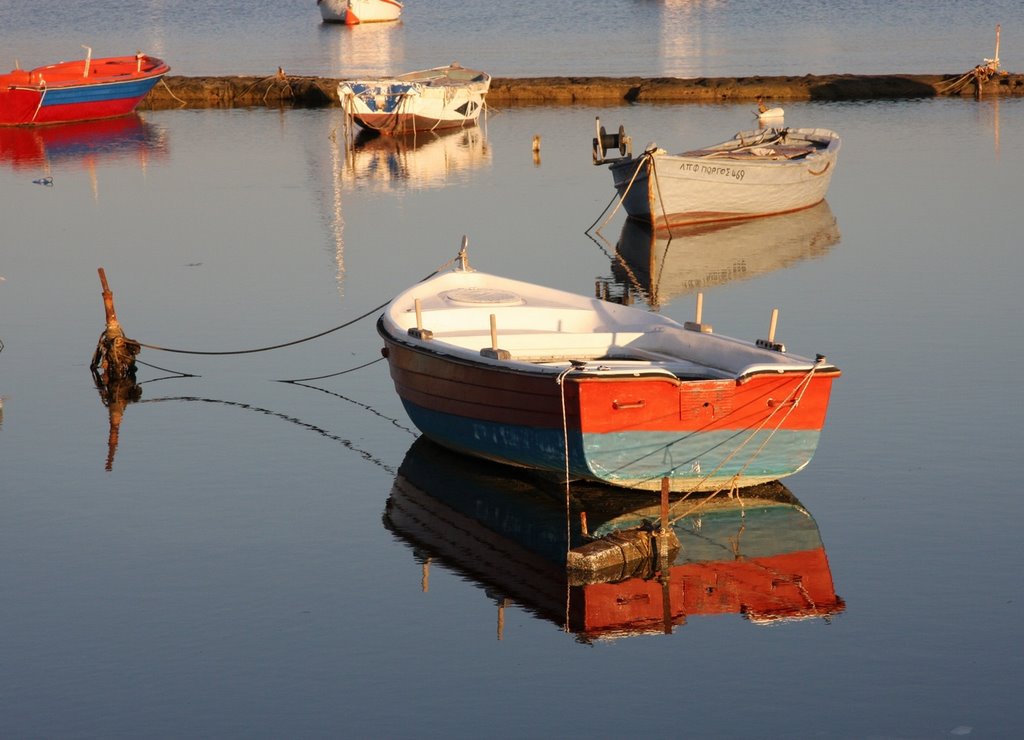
{"x":297,"y":341}
{"x":565,"y":441}
{"x":171,"y":92}
{"x":330,"y":375}
{"x":568,"y":512}
{"x":636,"y":173}
{"x":798,"y":390}
{"x":661,"y":200}
{"x":601,"y":215}
{"x":271,"y":347}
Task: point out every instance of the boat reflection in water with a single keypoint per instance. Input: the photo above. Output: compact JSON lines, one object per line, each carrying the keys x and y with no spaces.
{"x":759,"y":555}
{"x":415,"y":161}
{"x":662,"y":264}
{"x":83,"y":144}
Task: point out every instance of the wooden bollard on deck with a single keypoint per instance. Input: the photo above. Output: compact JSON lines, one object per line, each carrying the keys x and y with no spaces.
{"x":493,"y":352}
{"x":698,"y":318}
{"x":115,"y":353}
{"x":770,"y":342}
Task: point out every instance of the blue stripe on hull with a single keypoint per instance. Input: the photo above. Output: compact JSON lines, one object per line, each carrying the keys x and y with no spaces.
{"x":98,"y":92}
{"x":630,"y":459}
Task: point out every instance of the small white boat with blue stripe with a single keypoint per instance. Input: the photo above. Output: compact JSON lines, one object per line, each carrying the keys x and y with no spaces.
{"x":427,"y":100}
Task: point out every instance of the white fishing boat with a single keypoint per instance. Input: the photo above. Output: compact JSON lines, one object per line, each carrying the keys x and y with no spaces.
{"x":756,"y":173}
{"x":353,"y":12}
{"x":427,"y":100}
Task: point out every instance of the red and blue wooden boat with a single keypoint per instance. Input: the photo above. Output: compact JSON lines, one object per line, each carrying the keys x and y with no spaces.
{"x":580,"y":387}
{"x":82,"y":90}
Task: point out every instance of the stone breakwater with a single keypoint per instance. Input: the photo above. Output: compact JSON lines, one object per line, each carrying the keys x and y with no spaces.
{"x":281,"y":89}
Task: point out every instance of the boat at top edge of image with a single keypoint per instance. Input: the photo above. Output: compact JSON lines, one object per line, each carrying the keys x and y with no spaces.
{"x":663,"y":264}
{"x":761,"y":557}
{"x":82,"y":90}
{"x":354,"y":12}
{"x":509,"y":371}
{"x":756,"y":173}
{"x":426,"y":100}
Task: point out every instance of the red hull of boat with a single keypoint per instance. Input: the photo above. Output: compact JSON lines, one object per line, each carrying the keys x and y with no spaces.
{"x":63,"y":93}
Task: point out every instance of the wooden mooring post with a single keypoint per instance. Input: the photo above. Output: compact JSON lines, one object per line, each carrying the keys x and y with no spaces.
{"x":114,"y":358}
{"x":113,"y":370}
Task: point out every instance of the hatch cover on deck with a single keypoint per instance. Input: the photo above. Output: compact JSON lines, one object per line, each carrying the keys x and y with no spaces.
{"x":483,"y":297}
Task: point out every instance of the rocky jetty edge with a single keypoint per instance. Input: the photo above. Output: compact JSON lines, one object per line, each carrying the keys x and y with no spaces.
{"x":281,"y":89}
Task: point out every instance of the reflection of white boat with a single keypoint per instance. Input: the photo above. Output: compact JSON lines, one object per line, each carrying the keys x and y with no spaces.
{"x":761,"y":557}
{"x":756,"y":173}
{"x":353,"y":12}
{"x":365,"y":50}
{"x":686,"y":259}
{"x":423,"y":160}
{"x":427,"y":100}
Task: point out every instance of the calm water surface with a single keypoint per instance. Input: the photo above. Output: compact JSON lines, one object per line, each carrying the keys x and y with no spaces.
{"x":530,"y":38}
{"x":234,"y":567}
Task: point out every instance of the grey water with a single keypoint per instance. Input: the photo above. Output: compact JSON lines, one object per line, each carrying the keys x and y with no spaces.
{"x":227,"y":566}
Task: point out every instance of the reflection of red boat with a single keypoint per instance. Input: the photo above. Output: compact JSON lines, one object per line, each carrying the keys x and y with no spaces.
{"x":28,"y":147}
{"x":81,"y":90}
{"x":506,"y":531}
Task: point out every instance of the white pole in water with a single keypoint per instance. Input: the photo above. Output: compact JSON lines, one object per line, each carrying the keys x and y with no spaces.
{"x":700,"y":307}
{"x":88,"y":59}
{"x":996,"y":60}
{"x":771,"y":328}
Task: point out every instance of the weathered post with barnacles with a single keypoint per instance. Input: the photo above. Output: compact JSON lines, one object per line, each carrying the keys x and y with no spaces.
{"x":113,"y":370}
{"x":115,"y":353}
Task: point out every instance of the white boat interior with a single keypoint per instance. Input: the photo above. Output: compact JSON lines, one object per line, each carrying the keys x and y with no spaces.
{"x":544,"y":330}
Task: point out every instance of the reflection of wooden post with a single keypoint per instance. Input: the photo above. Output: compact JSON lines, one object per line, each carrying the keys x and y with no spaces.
{"x":664,"y":567}
{"x":663,"y":531}
{"x":116,"y":395}
{"x":425,"y":576}
{"x":666,"y":602}
{"x":116,"y":413}
{"x":501,"y":618}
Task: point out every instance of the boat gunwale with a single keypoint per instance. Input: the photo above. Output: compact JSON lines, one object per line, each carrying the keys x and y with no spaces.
{"x":615,"y":362}
{"x":604,"y":369}
{"x":96,"y":77}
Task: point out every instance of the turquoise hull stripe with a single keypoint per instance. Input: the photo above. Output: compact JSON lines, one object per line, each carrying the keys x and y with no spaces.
{"x":627,"y":458}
